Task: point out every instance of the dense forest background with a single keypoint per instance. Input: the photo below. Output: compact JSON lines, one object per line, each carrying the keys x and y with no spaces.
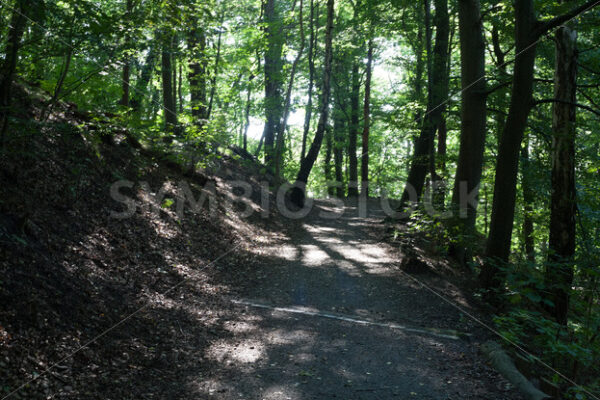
{"x":485,"y":112}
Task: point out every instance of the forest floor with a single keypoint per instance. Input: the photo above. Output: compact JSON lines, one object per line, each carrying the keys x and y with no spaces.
{"x":212,"y":305}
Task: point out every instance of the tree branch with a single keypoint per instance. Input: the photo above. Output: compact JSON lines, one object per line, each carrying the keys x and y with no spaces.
{"x":545,"y":26}
{"x":498,"y":86}
{"x":583,"y":106}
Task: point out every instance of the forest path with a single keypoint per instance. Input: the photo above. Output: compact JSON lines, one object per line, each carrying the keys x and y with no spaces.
{"x":327,"y":315}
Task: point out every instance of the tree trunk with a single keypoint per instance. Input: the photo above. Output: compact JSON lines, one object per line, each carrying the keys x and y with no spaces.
{"x":353,"y":131}
{"x":311,"y":77}
{"x":338,"y":153}
{"x":180,"y":87}
{"x":13,"y":43}
{"x":213,"y":83}
{"x":528,"y":196}
{"x":144,"y":79}
{"x":198,"y":64}
{"x":473,"y":114}
{"x":59,"y":83}
{"x":169,"y":106}
{"x":327,"y":162}
{"x":439,"y":181}
{"x":174,"y":81}
{"x":127,"y":61}
{"x":423,"y":159}
{"x":247,"y":117}
{"x":288,"y":97}
{"x":273,"y":79}
{"x":559,"y":271}
{"x":364,"y":165}
{"x":298,"y":192}
{"x":507,"y":166}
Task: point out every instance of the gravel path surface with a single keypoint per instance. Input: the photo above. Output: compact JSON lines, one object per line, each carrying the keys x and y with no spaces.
{"x":329,"y":315}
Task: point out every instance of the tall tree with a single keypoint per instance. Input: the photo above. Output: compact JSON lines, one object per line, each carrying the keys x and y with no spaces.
{"x":528,"y":197}
{"x":353,"y":131}
{"x":311,"y":73}
{"x":298,"y":192}
{"x":273,"y":78}
{"x":198,"y":68}
{"x":437,"y":89}
{"x":527,"y":32}
{"x":559,"y":271}
{"x":473,"y":118}
{"x":169,"y":106}
{"x":18,"y":23}
{"x":288,"y":96}
{"x":364,"y":165}
{"x":126,"y":76}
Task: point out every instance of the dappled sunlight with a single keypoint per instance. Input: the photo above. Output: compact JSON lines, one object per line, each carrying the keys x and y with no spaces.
{"x":244,"y":352}
{"x":280,"y":392}
{"x":313,"y":255}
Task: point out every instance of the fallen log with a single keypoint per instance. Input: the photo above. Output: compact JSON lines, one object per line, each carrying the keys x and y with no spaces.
{"x":498,"y":358}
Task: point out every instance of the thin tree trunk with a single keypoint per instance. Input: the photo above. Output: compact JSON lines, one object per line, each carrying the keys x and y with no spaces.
{"x":364,"y":165}
{"x":288,"y":97}
{"x":559,"y":271}
{"x":144,"y":79}
{"x":180,"y":88}
{"x":59,"y":83}
{"x":338,"y":153}
{"x":127,"y":61}
{"x":327,"y":162}
{"x":353,"y":131}
{"x":423,"y":144}
{"x":169,"y":107}
{"x":247,"y":118}
{"x":298,"y":192}
{"x":440,"y":74}
{"x":528,"y":196}
{"x":197,"y":75}
{"x":424,"y":155}
{"x":7,"y":71}
{"x":311,"y":77}
{"x":213,"y":84}
{"x":273,"y":79}
{"x":174,"y":80}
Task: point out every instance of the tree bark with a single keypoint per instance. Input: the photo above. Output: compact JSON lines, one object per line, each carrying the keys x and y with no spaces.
{"x":327,"y":161}
{"x":298,"y":194}
{"x":559,"y":271}
{"x":364,"y":164}
{"x":311,"y":77}
{"x":198,"y":65}
{"x":247,"y":117}
{"x":7,"y":71}
{"x":338,"y":152}
{"x":169,"y":106}
{"x":288,"y":97}
{"x":353,"y":131}
{"x":273,"y":79}
{"x":528,"y":196}
{"x":507,"y":166}
{"x":473,"y":113}
{"x":213,"y":83}
{"x":127,"y":61}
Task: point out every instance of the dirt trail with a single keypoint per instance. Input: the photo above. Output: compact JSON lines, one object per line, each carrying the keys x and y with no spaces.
{"x":329,"y":315}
